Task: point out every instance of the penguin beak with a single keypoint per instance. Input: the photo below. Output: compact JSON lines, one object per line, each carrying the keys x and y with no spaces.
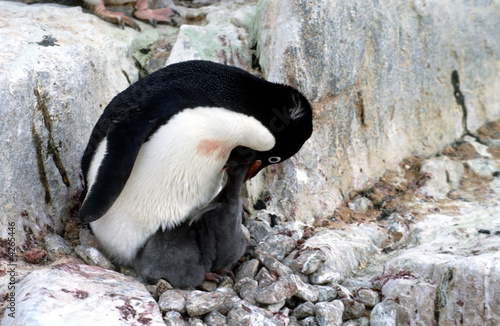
{"x":253,"y":169}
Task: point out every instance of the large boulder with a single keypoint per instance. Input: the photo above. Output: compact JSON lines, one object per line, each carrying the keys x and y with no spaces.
{"x":381,"y":77}
{"x":71,"y":294}
{"x":54,"y":84}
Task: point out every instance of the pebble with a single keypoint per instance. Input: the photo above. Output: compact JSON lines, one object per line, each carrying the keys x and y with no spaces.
{"x":304,"y":310}
{"x":248,"y":289}
{"x":173,"y":318}
{"x":278,"y":245}
{"x":326,"y":293}
{"x":309,"y":321}
{"x":272,"y":263}
{"x":265,"y":278}
{"x":195,"y":322}
{"x":329,"y":313}
{"x":360,"y":204}
{"x":199,"y":302}
{"x":363,"y":321}
{"x":215,"y":318}
{"x":92,"y":256}
{"x":173,"y":300}
{"x":259,"y":230}
{"x":352,"y":309}
{"x":248,"y":269}
{"x":308,"y":261}
{"x":368,"y":297}
{"x":56,"y":246}
{"x":286,"y":287}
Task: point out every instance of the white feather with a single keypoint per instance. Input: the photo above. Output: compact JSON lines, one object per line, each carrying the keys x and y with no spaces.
{"x":177,"y":172}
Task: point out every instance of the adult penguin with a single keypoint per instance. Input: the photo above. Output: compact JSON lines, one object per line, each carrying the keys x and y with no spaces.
{"x":157,"y":153}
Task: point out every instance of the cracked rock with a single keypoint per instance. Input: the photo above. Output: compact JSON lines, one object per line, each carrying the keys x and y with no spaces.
{"x":272,"y":263}
{"x":329,"y":313}
{"x":308,"y":261}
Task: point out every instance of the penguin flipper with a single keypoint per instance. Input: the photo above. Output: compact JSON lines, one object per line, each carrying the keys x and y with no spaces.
{"x":209,"y":207}
{"x":124,"y":140}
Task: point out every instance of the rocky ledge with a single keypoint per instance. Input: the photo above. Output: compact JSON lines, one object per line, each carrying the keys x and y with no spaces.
{"x":419,"y":247}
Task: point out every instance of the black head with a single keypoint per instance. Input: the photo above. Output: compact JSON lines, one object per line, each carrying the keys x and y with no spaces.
{"x":290,"y":121}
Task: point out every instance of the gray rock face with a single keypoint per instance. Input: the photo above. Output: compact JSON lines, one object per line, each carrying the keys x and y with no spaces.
{"x":379,"y":74}
{"x":54,"y":83}
{"x":329,"y":313}
{"x":70,"y":294}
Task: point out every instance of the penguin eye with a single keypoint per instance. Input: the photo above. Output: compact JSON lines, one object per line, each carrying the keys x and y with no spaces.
{"x":274,"y":159}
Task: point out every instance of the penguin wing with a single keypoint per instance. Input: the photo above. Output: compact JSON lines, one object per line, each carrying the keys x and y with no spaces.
{"x":124,"y":140}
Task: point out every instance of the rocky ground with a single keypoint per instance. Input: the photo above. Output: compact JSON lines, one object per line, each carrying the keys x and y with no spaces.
{"x":421,"y":246}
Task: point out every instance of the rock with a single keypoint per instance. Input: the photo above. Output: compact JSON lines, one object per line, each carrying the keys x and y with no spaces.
{"x":219,"y":40}
{"x":247,"y":291}
{"x":173,"y":300}
{"x":345,"y":250}
{"x":286,"y":287}
{"x":50,"y":106}
{"x":215,"y":318}
{"x":445,"y":176}
{"x":247,"y":314}
{"x":349,"y":60}
{"x":483,"y":167}
{"x":363,"y":321}
{"x":195,"y":322}
{"x":451,"y":256}
{"x":65,"y":294}
{"x":352,"y":309}
{"x":173,"y":318}
{"x":92,"y":256}
{"x":56,"y":246}
{"x":329,"y":313}
{"x":304,"y":310}
{"x":309,"y":321}
{"x":368,"y":297}
{"x":418,"y":297}
{"x":199,"y":303}
{"x":265,"y":278}
{"x":278,"y":245}
{"x":309,"y":260}
{"x":360,"y":204}
{"x":272,"y":263}
{"x":480,"y":148}
{"x":397,"y":227}
{"x":389,"y":313}
{"x":247,"y":269}
{"x":326,"y":293}
{"x":259,"y":230}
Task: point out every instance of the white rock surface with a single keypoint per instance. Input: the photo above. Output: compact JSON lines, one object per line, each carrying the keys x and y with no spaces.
{"x":445,"y":175}
{"x":379,"y":75}
{"x":70,"y":294}
{"x":59,"y":68}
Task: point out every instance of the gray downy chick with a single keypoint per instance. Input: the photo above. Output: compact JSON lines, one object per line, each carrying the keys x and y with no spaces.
{"x":202,"y":247}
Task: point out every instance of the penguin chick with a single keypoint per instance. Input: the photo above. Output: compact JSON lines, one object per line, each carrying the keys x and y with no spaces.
{"x":211,"y":241}
{"x":156,"y":155}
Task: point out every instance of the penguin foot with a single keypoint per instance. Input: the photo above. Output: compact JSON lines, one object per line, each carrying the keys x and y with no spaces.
{"x":115,"y":17}
{"x":220,"y":275}
{"x":154,"y":16}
